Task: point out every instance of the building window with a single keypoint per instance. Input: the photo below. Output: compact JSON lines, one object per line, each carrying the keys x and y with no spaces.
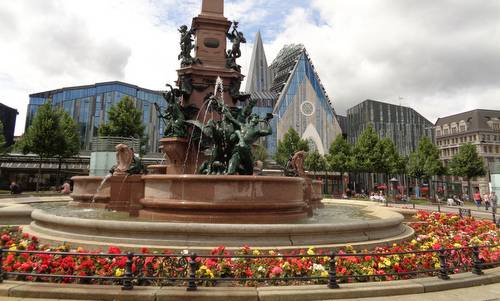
{"x":462,"y":128}
{"x":438,"y":133}
{"x":446,"y":131}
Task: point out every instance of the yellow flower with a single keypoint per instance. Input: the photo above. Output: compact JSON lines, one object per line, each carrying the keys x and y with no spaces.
{"x":119,"y":272}
{"x":437,"y":265}
{"x":387,"y":262}
{"x":381,"y":265}
{"x":324,"y":274}
{"x":413,"y":242}
{"x":310,"y":251}
{"x":23,"y":244}
{"x":13,"y":247}
{"x":457,"y":245}
{"x":256,"y":252}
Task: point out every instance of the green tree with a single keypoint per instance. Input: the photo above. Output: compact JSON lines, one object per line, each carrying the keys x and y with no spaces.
{"x":71,"y":139}
{"x":388,"y":158}
{"x":424,"y":161}
{"x":366,"y":155}
{"x":290,"y":144}
{"x":467,"y":163}
{"x":125,"y":120}
{"x":260,"y":153}
{"x":339,"y":157}
{"x":3,"y":147}
{"x":315,"y":162}
{"x":44,"y":137}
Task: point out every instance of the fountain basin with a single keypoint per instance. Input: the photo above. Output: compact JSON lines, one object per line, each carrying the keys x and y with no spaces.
{"x":85,"y":190}
{"x":223,"y":199}
{"x":385,"y":227}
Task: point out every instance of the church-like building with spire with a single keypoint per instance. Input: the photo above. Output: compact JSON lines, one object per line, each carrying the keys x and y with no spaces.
{"x":291,"y":89}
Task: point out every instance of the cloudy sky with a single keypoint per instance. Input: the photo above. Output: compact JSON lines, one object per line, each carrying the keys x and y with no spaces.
{"x":440,"y":57}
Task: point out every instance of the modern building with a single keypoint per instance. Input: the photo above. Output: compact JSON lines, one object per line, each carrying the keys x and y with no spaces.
{"x":291,"y":89}
{"x":89,"y":106}
{"x":8,"y":118}
{"x":478,"y":127}
{"x":403,"y":125}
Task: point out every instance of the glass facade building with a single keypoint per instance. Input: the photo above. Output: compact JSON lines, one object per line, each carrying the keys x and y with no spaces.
{"x":296,"y":97}
{"x":403,"y":125}
{"x":89,"y":106}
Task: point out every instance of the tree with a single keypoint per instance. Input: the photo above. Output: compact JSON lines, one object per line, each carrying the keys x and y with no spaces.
{"x":260,"y":153}
{"x":290,"y":144}
{"x":315,"y":162}
{"x":339,"y":157}
{"x":3,"y":147}
{"x":467,"y":163}
{"x":71,"y":139}
{"x":125,"y":120}
{"x":389,"y":158}
{"x":366,"y":156}
{"x":44,"y":137}
{"x":424,"y":161}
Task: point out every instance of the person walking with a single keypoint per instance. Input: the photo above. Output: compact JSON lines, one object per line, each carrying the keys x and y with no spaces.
{"x":477,"y":198}
{"x":487,"y":203}
{"x":494,"y":201}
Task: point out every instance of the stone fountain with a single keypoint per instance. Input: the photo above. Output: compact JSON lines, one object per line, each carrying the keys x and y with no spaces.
{"x":206,"y":194}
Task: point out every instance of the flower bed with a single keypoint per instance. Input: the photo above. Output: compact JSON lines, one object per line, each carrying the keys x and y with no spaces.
{"x":433,"y":232}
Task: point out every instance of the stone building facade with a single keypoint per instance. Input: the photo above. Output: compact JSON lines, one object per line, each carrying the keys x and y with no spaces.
{"x":478,"y":127}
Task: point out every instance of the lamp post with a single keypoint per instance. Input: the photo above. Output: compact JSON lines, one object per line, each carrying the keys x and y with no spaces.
{"x":394,"y":187}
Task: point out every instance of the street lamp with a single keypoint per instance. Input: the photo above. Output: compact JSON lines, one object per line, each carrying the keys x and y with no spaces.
{"x":394,"y":187}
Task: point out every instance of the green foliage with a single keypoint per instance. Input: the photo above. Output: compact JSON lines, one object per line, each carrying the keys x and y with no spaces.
{"x":388,"y":160}
{"x":290,"y":144}
{"x":44,"y":137}
{"x":424,"y":161}
{"x":467,"y":162}
{"x":260,"y":153}
{"x":339,"y":155}
{"x":71,"y":135}
{"x":366,"y":153}
{"x":315,"y":162}
{"x":124,"y":120}
{"x":3,"y":148}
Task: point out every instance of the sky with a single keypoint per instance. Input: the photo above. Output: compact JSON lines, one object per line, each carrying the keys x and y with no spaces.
{"x":440,"y":57}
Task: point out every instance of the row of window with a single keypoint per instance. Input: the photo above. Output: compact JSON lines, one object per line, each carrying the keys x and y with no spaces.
{"x":469,"y":138}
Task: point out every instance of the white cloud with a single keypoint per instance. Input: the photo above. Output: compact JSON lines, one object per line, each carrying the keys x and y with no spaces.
{"x":441,"y":56}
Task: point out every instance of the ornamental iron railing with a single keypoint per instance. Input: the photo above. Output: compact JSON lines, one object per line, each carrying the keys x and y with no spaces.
{"x":139,"y":268}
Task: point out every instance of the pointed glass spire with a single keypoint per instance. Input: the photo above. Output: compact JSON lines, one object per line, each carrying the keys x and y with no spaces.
{"x":259,"y":77}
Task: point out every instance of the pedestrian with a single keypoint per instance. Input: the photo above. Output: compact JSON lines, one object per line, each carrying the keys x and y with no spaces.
{"x":477,"y":198}
{"x":487,"y":203}
{"x":66,"y":188}
{"x":494,"y":201}
{"x":14,"y":188}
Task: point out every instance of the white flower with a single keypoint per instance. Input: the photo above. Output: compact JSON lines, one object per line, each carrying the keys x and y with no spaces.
{"x":318,"y":267}
{"x":185,"y":252}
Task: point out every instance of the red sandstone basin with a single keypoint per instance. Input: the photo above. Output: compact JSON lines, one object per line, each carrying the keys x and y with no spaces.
{"x":85,"y":189}
{"x":223,"y":199}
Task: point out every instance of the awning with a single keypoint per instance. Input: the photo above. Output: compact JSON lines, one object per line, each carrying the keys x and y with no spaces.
{"x":34,"y":165}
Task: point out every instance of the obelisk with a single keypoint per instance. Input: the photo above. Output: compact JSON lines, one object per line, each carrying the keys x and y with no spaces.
{"x":210,"y":49}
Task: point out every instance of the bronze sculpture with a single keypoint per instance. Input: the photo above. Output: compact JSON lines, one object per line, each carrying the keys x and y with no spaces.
{"x":186,"y":44}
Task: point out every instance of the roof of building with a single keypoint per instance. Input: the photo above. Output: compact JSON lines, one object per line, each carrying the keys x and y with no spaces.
{"x":8,"y":108}
{"x":476,"y":119}
{"x":46,"y":94}
{"x":259,"y":76}
{"x":284,"y":64}
{"x":388,"y":104}
{"x":343,"y":123}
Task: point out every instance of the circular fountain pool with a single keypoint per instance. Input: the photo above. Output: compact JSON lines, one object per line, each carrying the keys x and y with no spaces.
{"x":359,"y":224}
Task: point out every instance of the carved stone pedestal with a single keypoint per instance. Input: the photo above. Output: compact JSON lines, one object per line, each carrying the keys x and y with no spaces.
{"x":126,"y":191}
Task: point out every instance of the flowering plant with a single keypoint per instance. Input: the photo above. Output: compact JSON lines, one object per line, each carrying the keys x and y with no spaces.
{"x":433,"y":232}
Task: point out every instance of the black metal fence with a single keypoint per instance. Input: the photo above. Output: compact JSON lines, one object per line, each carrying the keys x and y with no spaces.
{"x":143,"y":275}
